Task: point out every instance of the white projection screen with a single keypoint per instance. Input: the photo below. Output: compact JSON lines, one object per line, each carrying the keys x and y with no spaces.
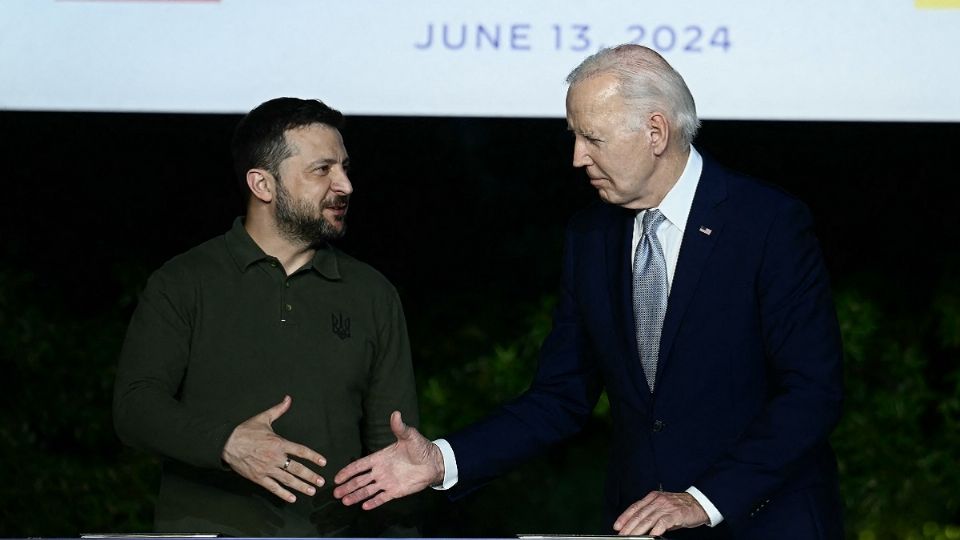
{"x":862,"y":60}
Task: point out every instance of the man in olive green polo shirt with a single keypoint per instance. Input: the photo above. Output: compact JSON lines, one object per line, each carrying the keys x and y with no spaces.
{"x":263,"y":355}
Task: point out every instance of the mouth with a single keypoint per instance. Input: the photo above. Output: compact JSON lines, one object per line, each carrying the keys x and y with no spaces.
{"x":338,"y":205}
{"x":339,"y":211}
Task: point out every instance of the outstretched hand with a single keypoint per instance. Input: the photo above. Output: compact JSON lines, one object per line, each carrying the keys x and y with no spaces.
{"x":258,"y":454}
{"x":405,"y":467}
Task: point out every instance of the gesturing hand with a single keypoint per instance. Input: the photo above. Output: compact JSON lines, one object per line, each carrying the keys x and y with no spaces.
{"x":406,"y":466}
{"x":258,"y":454}
{"x":660,"y":512}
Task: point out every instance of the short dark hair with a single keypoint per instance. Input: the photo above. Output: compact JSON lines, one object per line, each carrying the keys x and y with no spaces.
{"x":258,"y":140}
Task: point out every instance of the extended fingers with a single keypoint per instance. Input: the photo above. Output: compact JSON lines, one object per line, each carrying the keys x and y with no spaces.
{"x":306,"y":473}
{"x":274,"y":487}
{"x":355,"y":490}
{"x":381,"y":498}
{"x":362,"y":494}
{"x":359,"y":466}
{"x":301,"y":451}
{"x":294,"y":482}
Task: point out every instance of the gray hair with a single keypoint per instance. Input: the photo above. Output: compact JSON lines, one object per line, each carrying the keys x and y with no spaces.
{"x":647,"y":83}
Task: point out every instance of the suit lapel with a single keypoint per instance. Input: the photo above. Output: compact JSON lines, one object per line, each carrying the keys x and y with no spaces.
{"x":619,"y":236}
{"x":704,"y":227}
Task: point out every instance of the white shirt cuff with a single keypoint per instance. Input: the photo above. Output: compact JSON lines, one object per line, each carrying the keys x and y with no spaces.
{"x":450,"y":473}
{"x":708,"y":507}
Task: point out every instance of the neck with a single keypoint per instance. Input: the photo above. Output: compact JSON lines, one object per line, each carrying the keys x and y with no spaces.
{"x":671,"y":167}
{"x":263,"y":229}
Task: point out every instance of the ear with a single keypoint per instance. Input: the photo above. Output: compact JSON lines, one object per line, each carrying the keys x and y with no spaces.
{"x":260,"y":183}
{"x":659,"y":133}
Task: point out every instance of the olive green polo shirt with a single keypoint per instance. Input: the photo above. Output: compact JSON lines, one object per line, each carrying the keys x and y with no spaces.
{"x":221,"y":334}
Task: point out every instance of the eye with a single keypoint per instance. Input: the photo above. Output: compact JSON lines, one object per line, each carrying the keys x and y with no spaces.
{"x":322,"y":169}
{"x":592,"y":139}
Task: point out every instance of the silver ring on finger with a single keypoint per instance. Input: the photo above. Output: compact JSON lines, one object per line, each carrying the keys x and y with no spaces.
{"x":286,"y":464}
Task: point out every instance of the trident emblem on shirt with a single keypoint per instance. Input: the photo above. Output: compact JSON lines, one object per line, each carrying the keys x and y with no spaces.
{"x":341,"y":325}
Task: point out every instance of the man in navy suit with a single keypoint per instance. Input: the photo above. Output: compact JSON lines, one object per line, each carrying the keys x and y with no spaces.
{"x":713,"y":332}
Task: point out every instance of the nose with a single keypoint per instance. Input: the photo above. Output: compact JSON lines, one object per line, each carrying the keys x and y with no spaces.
{"x":581,"y":158}
{"x":341,"y":184}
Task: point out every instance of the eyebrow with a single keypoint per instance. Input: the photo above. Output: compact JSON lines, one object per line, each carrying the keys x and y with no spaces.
{"x":586,"y":133}
{"x":328,"y":161}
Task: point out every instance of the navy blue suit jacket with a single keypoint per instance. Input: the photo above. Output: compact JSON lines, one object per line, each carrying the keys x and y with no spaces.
{"x":748,"y":385}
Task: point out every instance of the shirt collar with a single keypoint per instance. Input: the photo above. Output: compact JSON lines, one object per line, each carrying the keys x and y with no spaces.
{"x":246,"y":252}
{"x":325,"y":261}
{"x":675,"y":206}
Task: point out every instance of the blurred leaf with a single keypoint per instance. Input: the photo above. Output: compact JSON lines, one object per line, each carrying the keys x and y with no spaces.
{"x":897,"y":443}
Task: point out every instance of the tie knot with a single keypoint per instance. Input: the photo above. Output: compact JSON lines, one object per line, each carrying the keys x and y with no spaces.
{"x":651,"y":220}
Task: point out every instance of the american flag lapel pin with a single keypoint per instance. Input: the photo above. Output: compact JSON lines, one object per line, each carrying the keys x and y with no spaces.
{"x":705,"y":230}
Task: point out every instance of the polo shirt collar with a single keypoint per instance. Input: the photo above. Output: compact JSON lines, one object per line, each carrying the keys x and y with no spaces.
{"x":325,"y":261}
{"x":246,"y":252}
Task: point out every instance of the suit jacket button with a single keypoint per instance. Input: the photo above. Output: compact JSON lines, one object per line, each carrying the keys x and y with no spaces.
{"x":657,"y":426}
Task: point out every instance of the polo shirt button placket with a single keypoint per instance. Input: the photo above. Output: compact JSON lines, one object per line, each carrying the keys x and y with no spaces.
{"x":285,"y":306}
{"x":285,"y":295}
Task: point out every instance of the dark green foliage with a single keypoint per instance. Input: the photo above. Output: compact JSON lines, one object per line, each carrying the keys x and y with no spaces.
{"x":559,"y":492}
{"x":899,"y":440}
{"x":65,"y":472}
{"x":467,"y":388}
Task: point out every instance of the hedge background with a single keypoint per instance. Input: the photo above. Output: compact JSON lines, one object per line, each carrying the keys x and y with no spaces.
{"x":465,"y":216}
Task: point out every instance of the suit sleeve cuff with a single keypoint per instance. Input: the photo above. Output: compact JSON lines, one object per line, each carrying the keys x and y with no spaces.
{"x":450,"y":473}
{"x":708,"y":507}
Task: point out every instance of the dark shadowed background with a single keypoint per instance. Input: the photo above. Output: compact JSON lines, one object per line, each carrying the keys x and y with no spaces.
{"x":465,"y":217}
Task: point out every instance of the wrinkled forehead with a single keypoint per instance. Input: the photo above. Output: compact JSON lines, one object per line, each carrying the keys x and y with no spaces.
{"x":314,"y":137}
{"x":594,"y":97}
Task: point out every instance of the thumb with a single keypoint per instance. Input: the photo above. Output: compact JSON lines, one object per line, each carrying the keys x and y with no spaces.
{"x":400,"y":430}
{"x":275,"y":412}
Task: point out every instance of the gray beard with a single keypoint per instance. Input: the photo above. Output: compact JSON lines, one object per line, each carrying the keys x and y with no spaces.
{"x":299,"y":222}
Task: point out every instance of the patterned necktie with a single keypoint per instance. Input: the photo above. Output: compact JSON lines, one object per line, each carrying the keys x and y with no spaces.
{"x":649,"y":293}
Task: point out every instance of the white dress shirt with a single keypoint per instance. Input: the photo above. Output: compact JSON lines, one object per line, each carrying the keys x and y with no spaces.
{"x":675,"y":206}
